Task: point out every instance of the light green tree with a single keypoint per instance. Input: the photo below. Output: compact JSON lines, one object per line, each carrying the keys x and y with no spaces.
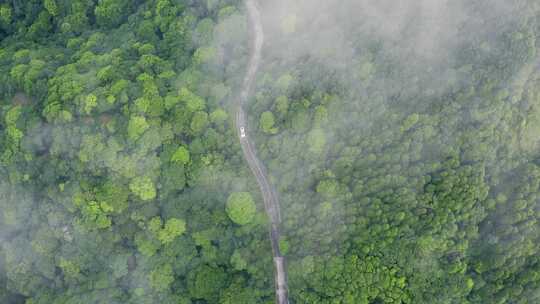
{"x":267,"y":122}
{"x":154,"y":225}
{"x":70,"y":268}
{"x":181,"y":156}
{"x":95,"y":215}
{"x":409,"y":122}
{"x":136,"y":127}
{"x":173,"y":228}
{"x":90,"y":102}
{"x":240,"y":207}
{"x":218,"y":117}
{"x":13,"y":115}
{"x":193,"y":102}
{"x":115,"y":195}
{"x":109,"y":13}
{"x":5,"y":13}
{"x":143,"y":187}
{"x":51,"y":7}
{"x":328,"y":188}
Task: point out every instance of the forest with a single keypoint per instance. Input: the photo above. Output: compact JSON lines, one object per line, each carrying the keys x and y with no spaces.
{"x":402,"y":137}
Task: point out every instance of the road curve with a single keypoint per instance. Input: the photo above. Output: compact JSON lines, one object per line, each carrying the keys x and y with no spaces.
{"x":271,"y":203}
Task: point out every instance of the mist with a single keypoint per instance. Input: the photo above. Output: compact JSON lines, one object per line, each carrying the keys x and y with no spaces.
{"x":401,"y":138}
{"x":402,"y":79}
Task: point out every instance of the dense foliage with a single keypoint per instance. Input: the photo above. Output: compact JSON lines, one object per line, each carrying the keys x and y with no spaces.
{"x":407,"y":178}
{"x":401,"y":180}
{"x":118,"y":156}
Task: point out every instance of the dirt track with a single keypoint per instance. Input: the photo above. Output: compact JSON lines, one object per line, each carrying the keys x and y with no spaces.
{"x":271,"y":202}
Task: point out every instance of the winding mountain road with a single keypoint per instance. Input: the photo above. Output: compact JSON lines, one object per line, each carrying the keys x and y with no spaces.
{"x":271,"y":203}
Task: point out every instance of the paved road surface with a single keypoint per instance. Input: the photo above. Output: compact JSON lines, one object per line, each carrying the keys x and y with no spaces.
{"x":271,"y":203}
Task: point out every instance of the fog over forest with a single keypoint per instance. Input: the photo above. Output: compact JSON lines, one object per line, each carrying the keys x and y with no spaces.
{"x":402,"y":138}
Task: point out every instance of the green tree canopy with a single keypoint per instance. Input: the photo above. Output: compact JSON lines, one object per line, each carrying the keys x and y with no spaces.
{"x":267,"y":123}
{"x":162,"y":277}
{"x":181,"y":156}
{"x":206,"y":283}
{"x":240,"y":207}
{"x":173,"y":228}
{"x":109,"y":13}
{"x":143,"y":187}
{"x":136,"y":127}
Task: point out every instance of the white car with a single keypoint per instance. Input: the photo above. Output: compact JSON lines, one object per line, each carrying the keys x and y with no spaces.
{"x":242,"y":132}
